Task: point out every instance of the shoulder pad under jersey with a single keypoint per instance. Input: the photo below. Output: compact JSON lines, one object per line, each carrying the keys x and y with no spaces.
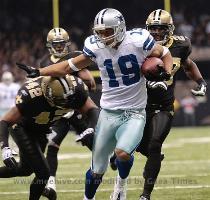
{"x":91,"y":45}
{"x":141,"y":38}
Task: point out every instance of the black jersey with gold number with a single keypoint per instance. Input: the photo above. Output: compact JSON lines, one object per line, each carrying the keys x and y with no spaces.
{"x":180,"y":48}
{"x":37,"y":113}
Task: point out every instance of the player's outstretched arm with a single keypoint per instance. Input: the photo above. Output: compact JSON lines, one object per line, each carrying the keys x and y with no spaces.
{"x":58,"y":69}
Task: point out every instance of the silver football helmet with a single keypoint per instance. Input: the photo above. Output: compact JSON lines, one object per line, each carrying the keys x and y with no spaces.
{"x":109,"y":18}
{"x":58,"y":42}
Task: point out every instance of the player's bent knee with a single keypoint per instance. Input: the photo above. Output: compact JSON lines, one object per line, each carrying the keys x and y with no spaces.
{"x":155,"y":146}
{"x":122,"y":155}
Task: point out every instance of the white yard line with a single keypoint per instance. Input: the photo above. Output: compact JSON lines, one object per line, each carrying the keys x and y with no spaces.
{"x":111,"y":189}
{"x":182,"y":141}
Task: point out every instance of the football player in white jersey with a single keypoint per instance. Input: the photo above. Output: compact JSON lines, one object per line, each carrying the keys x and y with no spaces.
{"x":8,"y":91}
{"x":119,"y":55}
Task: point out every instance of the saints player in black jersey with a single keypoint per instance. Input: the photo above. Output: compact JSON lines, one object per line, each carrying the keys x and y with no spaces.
{"x":160,"y":108}
{"x":59,"y":46}
{"x":39,"y":103}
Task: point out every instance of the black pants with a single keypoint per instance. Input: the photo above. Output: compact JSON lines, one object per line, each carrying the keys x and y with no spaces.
{"x":31,"y":147}
{"x":157,"y":128}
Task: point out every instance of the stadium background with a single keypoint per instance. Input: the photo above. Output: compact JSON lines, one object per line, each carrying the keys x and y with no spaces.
{"x":185,"y":171}
{"x":25,"y":24}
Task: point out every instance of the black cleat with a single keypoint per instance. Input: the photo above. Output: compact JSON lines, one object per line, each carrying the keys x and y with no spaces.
{"x":49,"y":193}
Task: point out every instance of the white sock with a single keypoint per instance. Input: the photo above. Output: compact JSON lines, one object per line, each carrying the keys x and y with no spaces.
{"x":120,"y":180}
{"x":51,"y":183}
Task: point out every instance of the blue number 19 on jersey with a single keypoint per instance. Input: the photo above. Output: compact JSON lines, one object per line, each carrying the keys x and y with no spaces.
{"x":130,"y":75}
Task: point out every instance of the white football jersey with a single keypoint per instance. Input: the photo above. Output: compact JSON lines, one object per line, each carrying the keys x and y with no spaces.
{"x":8,"y":94}
{"x":123,"y":85}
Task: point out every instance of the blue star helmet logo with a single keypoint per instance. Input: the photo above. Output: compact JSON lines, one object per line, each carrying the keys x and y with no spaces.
{"x":120,"y":18}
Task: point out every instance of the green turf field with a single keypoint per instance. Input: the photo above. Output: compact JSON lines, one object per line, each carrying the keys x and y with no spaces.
{"x":185,"y":172}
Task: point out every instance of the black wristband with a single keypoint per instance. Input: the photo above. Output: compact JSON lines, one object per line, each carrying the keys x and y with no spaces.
{"x":4,"y":134}
{"x":201,"y":81}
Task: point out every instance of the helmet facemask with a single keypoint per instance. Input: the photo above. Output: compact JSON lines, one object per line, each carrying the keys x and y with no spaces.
{"x":161,"y":33}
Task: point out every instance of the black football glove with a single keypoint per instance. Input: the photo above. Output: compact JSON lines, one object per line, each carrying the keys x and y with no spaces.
{"x":161,"y":75}
{"x":86,"y":138}
{"x":31,"y":71}
{"x":201,"y":88}
{"x":8,"y":158}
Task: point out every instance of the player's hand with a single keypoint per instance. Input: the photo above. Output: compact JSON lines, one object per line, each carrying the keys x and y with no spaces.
{"x":8,"y":158}
{"x":200,"y":90}
{"x":31,"y":71}
{"x":154,"y":85}
{"x":161,"y":75}
{"x":86,"y":138}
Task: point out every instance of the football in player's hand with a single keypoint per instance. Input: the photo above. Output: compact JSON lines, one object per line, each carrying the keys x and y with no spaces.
{"x":150,"y":66}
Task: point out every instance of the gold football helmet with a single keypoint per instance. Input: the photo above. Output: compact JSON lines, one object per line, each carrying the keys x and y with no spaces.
{"x":160,"y":24}
{"x":59,"y":91}
{"x":58,"y":42}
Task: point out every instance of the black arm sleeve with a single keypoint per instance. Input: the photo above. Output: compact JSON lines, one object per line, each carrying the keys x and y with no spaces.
{"x":92,"y":116}
{"x":4,"y":134}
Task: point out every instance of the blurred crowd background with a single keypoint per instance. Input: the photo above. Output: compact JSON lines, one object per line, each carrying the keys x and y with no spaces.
{"x":25,"y":24}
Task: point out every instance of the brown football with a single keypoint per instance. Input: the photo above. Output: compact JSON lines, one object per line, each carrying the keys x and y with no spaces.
{"x":150,"y":66}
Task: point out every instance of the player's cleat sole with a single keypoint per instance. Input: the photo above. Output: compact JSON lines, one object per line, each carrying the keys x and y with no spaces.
{"x":144,"y":198}
{"x":49,"y":193}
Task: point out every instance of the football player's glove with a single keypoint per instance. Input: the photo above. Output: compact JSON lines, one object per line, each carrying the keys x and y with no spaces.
{"x":8,"y":158}
{"x":201,"y":88}
{"x":153,"y":85}
{"x":161,"y":75}
{"x":86,"y":138}
{"x":31,"y":71}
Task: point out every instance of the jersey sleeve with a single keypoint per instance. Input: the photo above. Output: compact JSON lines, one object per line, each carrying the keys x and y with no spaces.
{"x":149,"y":42}
{"x":90,"y":46}
{"x":22,"y":101}
{"x":143,"y":40}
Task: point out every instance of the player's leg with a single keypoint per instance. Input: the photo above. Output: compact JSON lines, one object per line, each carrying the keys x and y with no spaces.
{"x":103,"y":146}
{"x":31,"y":151}
{"x":78,"y":122}
{"x":55,"y":138}
{"x":125,"y":148}
{"x":160,"y":125}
